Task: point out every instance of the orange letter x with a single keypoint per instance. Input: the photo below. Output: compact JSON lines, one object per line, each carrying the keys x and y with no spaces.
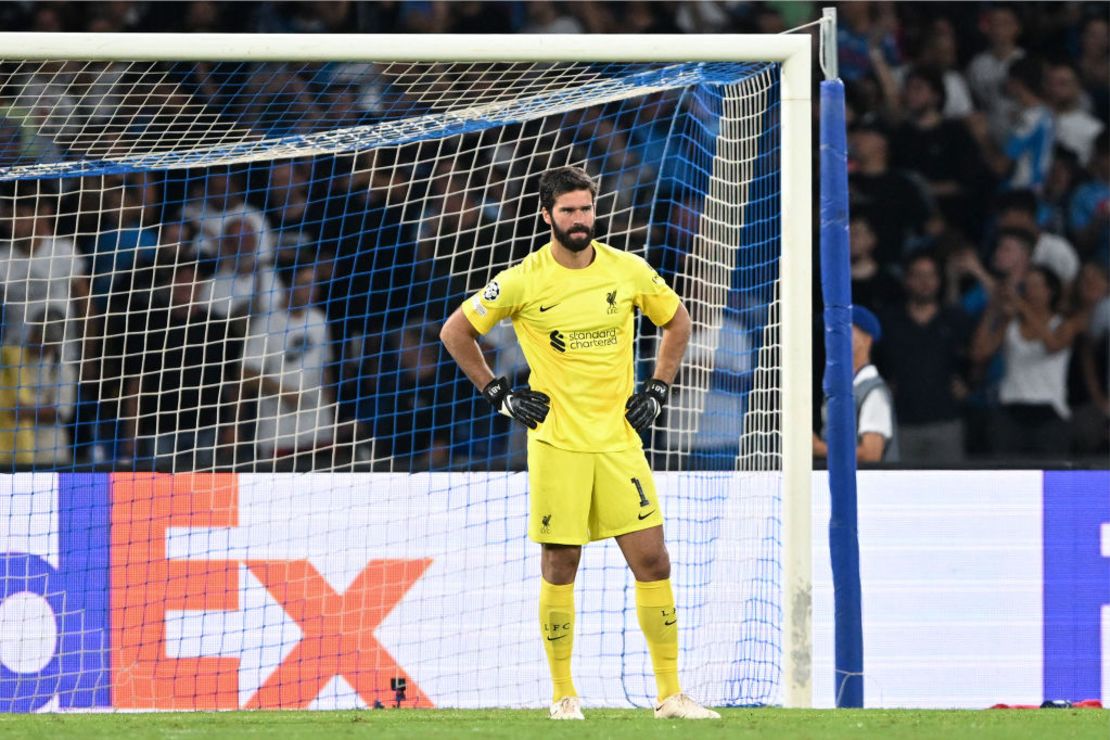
{"x":338,"y":631}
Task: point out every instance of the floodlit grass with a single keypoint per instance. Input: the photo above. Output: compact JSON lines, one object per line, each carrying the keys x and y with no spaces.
{"x":1058,"y":724}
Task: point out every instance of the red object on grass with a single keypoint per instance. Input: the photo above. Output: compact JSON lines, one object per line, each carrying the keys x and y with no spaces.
{"x":1085,"y":704}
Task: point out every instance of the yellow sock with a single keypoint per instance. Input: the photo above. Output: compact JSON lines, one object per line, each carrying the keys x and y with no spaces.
{"x":557,"y":626}
{"x":659,"y":621}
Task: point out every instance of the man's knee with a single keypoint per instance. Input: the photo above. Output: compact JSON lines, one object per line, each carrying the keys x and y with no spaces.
{"x":653,"y":565}
{"x":559,"y":563}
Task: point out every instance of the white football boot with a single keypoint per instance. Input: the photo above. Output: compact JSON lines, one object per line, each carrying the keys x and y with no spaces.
{"x":681,"y":706}
{"x":567,"y":708}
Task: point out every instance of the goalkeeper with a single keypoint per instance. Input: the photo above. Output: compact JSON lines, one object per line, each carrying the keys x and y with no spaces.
{"x":572,"y":303}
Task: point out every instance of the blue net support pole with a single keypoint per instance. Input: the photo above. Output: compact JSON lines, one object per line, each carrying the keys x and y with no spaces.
{"x":836,"y":287}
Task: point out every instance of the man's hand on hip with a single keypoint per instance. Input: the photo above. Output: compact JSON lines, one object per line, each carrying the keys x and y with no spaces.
{"x":644,"y":407}
{"x":527,"y":406}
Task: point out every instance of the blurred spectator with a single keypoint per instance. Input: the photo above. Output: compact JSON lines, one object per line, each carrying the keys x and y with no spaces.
{"x":1063,"y":177}
{"x":1010,"y":260}
{"x":863,"y":31}
{"x":182,"y":369}
{"x":242,"y":285}
{"x":1089,"y":210}
{"x":1076,"y":128}
{"x":1094,"y":50}
{"x":52,"y":382}
{"x":705,"y":16}
{"x":287,"y":213}
{"x":941,"y":150}
{"x":364,"y":231}
{"x":707,"y":409}
{"x":873,"y":285}
{"x":639,"y":16}
{"x":1018,"y":209}
{"x":1090,"y":391}
{"x":124,"y":240}
{"x":414,"y":404}
{"x":17,"y":409}
{"x":894,"y":204}
{"x":470,"y":16}
{"x":1027,"y":153}
{"x":41,"y":272}
{"x":940,"y":53}
{"x":219,"y":197}
{"x":923,"y":357}
{"x":287,"y":362}
{"x":876,"y":428}
{"x":989,"y":68}
{"x":1036,"y":345}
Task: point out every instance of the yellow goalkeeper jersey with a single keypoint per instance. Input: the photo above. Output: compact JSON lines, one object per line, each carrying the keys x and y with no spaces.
{"x":576,"y":330}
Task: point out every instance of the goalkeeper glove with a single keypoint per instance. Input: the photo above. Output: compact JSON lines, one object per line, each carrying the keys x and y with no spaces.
{"x":642,"y":408}
{"x":527,"y":406}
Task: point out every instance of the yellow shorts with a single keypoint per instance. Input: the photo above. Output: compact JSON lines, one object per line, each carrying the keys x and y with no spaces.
{"x":579,"y":497}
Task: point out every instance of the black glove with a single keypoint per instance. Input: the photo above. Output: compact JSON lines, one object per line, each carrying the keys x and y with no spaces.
{"x":527,"y":406}
{"x":644,"y":407}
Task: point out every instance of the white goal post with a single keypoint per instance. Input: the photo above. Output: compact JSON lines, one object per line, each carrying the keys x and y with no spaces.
{"x":792,"y":52}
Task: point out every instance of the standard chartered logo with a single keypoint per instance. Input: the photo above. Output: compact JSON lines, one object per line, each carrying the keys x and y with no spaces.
{"x":562,"y":341}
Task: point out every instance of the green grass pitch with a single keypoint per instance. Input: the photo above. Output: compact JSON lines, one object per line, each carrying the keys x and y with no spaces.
{"x":797,"y":724}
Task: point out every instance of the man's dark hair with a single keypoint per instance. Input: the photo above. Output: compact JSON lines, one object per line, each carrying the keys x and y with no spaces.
{"x":934,"y":78}
{"x":1017,"y":200}
{"x":1028,"y":240}
{"x":1029,"y":71}
{"x":1054,"y":284}
{"x":1102,"y":142}
{"x":560,"y":180}
{"x":926,"y":255}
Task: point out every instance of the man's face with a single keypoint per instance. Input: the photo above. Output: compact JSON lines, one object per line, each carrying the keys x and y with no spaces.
{"x":1011,"y":257}
{"x":861,"y":344}
{"x":301,"y":293}
{"x":1002,"y":26}
{"x":919,"y":96}
{"x":922,"y":280}
{"x":572,"y":219}
{"x":1016,"y":218}
{"x":183,"y":289}
{"x":1062,"y":86}
{"x":23,"y":222}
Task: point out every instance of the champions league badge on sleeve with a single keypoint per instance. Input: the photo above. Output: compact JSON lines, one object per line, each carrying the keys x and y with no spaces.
{"x":492,"y":291}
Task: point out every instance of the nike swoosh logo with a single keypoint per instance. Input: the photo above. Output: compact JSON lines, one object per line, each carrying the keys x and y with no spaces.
{"x":645,"y":516}
{"x":553,"y":639}
{"x":548,"y":308}
{"x":668,"y":624}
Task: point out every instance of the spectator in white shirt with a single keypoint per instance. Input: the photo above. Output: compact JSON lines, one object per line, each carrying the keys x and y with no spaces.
{"x":940,"y":52}
{"x":986,"y":75}
{"x":215,"y":201}
{"x":1017,"y":209}
{"x":243,"y":284}
{"x":287,"y":359}
{"x":1076,"y":128}
{"x":876,"y":429}
{"x":1036,"y":344}
{"x":41,"y":272}
{"x":52,"y":382}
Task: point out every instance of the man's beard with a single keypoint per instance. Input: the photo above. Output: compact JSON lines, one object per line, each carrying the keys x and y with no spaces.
{"x":576,"y":240}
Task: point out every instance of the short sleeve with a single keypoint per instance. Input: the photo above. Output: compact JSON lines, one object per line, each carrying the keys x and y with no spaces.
{"x":501,"y":298}
{"x":876,"y":415}
{"x":652,"y":294}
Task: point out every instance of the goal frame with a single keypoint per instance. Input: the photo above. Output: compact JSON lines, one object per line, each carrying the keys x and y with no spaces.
{"x":793,"y":52}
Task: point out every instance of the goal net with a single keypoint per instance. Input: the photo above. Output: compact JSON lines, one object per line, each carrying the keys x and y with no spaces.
{"x":243,"y":471}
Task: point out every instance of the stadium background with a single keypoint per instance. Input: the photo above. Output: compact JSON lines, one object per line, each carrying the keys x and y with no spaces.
{"x":390,"y":381}
{"x":1070,"y":199}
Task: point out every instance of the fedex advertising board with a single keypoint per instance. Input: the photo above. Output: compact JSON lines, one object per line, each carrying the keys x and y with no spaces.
{"x":262,"y":591}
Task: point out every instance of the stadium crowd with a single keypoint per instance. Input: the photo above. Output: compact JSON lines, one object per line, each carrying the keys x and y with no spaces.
{"x":980,"y":237}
